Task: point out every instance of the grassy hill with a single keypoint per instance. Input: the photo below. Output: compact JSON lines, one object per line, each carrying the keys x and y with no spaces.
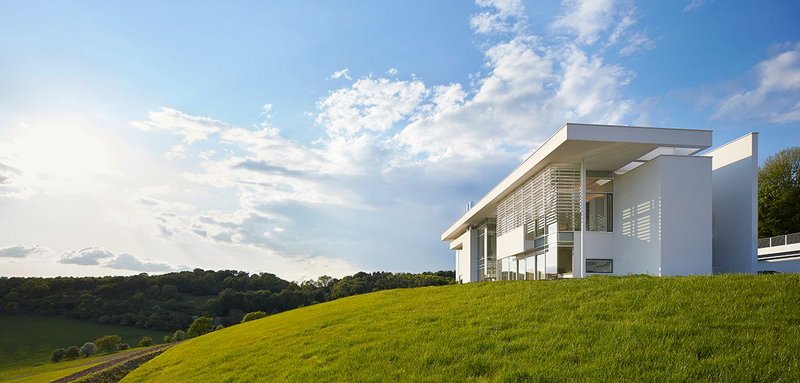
{"x":48,"y":372}
{"x":721,"y":328}
{"x":29,"y":340}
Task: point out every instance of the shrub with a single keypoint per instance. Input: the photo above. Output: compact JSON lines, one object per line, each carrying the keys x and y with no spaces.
{"x":146,"y":341}
{"x":124,"y":346}
{"x":253,"y":316}
{"x":200,"y":326}
{"x":167,"y":339}
{"x":58,"y":355}
{"x":72,"y":352}
{"x":108,"y":343}
{"x":178,"y":336}
{"x":87,"y":349}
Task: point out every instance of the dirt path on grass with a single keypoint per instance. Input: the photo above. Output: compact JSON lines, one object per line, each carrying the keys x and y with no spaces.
{"x":114,"y":369}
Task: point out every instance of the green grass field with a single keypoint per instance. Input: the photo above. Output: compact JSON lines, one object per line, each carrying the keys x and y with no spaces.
{"x":29,"y":340}
{"x":720,"y":328}
{"x":51,"y":371}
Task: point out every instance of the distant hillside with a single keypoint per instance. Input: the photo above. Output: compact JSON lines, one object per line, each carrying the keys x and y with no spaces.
{"x":171,"y":301}
{"x":720,"y":328}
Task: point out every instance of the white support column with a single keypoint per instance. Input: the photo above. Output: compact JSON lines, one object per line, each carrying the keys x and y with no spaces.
{"x":583,"y":217}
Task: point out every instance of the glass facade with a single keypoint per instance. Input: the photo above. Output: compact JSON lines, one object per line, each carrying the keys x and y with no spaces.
{"x":548,"y":206}
{"x":487,"y":251}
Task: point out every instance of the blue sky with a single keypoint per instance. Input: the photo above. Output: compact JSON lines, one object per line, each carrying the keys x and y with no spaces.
{"x":310,"y":138}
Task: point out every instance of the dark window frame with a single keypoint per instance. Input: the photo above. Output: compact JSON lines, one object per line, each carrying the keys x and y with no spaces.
{"x":586,"y":261}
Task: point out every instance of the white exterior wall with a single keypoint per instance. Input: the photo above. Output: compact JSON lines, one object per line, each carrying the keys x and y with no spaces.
{"x":466,"y":264}
{"x":662,"y":218}
{"x":597,"y":245}
{"x":735,"y":205}
{"x":637,"y":203}
{"x":790,"y":265}
{"x":685,"y":215}
{"x":511,"y":243}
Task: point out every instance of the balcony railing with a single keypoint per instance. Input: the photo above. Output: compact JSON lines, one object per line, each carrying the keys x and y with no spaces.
{"x":779,"y":240}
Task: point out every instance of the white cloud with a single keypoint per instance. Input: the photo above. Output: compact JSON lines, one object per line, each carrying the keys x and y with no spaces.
{"x":587,"y":19}
{"x":392,"y":72}
{"x":176,"y":151}
{"x":694,"y":5}
{"x":97,"y":256}
{"x":129,"y":262}
{"x":344,"y":73}
{"x":22,"y":251}
{"x":636,"y":42}
{"x":87,"y":256}
{"x":266,"y":109}
{"x":776,"y":98}
{"x":590,"y":21}
{"x":192,"y":128}
{"x":370,"y":104}
{"x":503,"y":17}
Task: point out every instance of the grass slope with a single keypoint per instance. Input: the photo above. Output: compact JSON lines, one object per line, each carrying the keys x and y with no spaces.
{"x":29,"y":340}
{"x":51,"y":371}
{"x":720,"y":328}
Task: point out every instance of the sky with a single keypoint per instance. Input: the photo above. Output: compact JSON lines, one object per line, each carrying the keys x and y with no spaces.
{"x":309,"y":138}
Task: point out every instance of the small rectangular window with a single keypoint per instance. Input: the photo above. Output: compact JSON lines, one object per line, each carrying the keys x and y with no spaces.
{"x":604,"y":266}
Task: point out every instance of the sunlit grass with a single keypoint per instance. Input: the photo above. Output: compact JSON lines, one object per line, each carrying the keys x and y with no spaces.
{"x":721,"y":328}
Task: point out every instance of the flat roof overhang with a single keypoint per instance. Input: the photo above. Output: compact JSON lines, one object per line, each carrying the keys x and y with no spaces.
{"x":604,"y":147}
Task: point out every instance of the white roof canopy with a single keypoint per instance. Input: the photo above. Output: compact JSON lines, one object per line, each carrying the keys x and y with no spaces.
{"x":604,"y":148}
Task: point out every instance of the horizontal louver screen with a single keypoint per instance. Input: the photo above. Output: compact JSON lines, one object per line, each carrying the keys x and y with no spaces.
{"x":551,"y":196}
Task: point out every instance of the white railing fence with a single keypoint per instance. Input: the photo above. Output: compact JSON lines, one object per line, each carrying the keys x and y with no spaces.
{"x":779,"y":240}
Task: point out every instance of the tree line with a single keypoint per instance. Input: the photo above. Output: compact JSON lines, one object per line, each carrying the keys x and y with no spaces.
{"x":173,"y":301}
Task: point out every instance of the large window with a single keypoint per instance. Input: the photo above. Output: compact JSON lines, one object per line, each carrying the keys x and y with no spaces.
{"x":507,"y":269}
{"x":599,"y":212}
{"x":565,"y":262}
{"x":599,"y":201}
{"x":487,"y":254}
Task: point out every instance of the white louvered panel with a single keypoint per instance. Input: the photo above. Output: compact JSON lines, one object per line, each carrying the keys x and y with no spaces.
{"x":551,"y":194}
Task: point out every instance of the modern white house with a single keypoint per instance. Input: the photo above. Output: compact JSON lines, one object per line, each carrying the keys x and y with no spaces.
{"x":615,"y":200}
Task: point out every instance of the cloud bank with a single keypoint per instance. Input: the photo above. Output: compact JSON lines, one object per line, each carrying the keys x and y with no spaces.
{"x":101,"y":257}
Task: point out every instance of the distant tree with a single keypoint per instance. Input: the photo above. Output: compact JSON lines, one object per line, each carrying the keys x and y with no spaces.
{"x":108,"y":343}
{"x":178,"y":336}
{"x":779,"y":194}
{"x":58,"y":355}
{"x":325,"y":281}
{"x":253,"y":316}
{"x":146,"y":341}
{"x":87,"y":349}
{"x":201,"y":326}
{"x":234,"y":316}
{"x":72,"y":352}
{"x":167,"y":338}
{"x":169,"y":291}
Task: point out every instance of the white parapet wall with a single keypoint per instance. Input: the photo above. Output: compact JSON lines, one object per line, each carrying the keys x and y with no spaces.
{"x":511,"y":243}
{"x":735,"y":205}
